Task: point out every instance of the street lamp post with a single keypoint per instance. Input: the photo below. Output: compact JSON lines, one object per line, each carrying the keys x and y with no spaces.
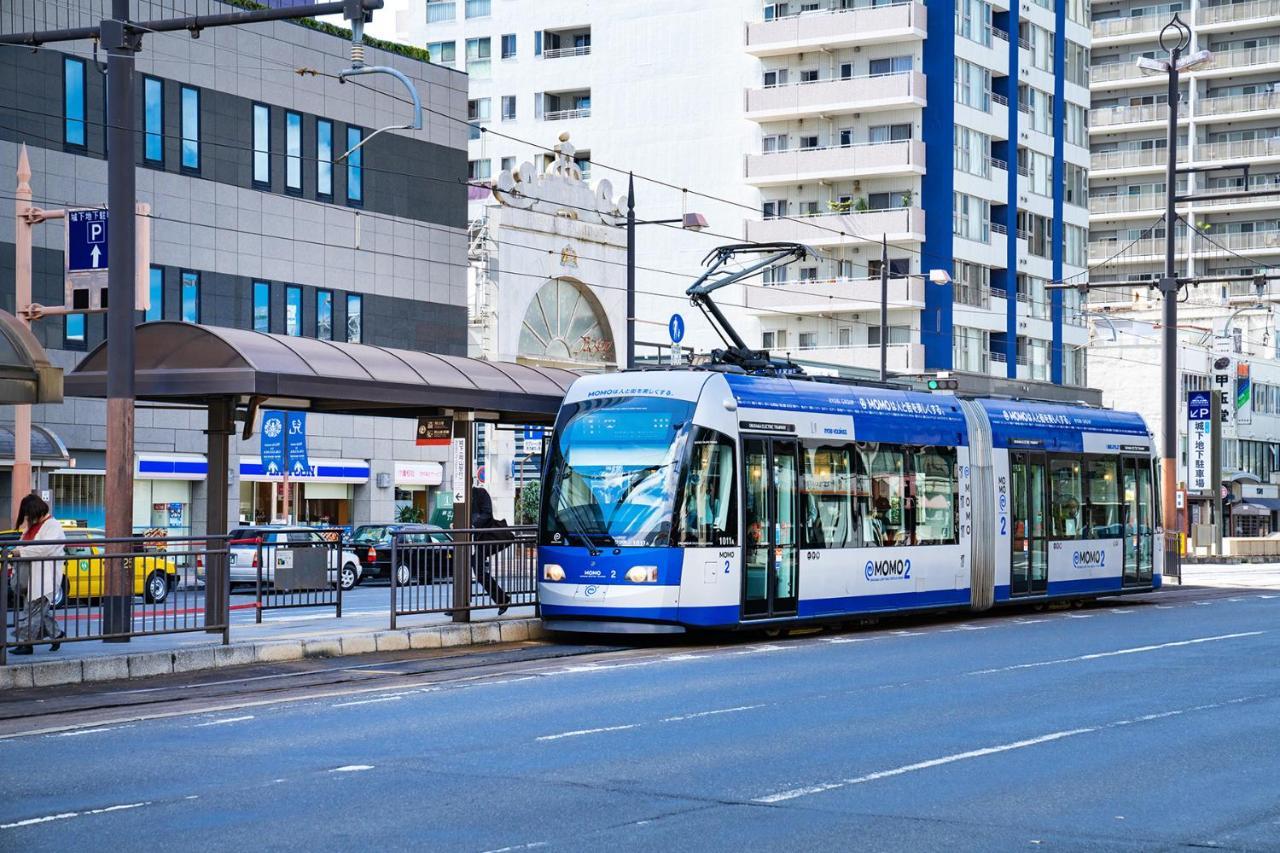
{"x":1175,"y":38}
{"x":687,"y":221}
{"x":937,"y":276}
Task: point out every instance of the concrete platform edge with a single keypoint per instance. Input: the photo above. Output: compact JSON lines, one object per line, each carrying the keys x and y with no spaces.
{"x":204,"y":658}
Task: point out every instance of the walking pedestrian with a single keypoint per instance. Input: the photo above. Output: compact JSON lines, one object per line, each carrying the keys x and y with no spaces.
{"x":43,"y":576}
{"x":482,"y":519}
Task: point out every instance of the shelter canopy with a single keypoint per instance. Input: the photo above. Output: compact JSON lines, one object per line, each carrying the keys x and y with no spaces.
{"x":185,"y":362}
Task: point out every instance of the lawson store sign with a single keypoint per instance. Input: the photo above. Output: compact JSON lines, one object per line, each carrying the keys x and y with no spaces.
{"x":177,"y":467}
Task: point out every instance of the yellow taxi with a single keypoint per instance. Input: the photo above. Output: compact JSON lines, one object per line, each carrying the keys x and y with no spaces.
{"x":154,"y":574}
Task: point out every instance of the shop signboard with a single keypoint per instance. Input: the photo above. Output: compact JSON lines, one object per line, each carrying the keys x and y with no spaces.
{"x":1199,"y":422}
{"x":434,"y":432}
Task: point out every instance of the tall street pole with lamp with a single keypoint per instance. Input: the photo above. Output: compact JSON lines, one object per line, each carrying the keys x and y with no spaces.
{"x":1175,"y":39}
{"x":687,"y":221}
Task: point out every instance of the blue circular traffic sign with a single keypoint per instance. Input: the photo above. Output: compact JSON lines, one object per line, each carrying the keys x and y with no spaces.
{"x":676,"y":327}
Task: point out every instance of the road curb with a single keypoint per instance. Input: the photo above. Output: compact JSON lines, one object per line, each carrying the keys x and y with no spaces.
{"x":203,"y":658}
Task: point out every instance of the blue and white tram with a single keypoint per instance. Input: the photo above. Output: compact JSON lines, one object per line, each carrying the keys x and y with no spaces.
{"x":702,"y":499}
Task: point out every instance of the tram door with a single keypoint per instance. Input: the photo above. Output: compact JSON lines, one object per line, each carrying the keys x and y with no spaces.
{"x":1029,"y":570}
{"x":1138,"y":520}
{"x":770,"y":555}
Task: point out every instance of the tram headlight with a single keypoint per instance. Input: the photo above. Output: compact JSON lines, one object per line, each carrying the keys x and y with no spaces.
{"x":643,"y":574}
{"x":552,"y":572}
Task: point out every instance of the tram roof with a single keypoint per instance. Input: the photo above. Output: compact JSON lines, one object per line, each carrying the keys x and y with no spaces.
{"x":186,"y":362}
{"x":1053,"y":426}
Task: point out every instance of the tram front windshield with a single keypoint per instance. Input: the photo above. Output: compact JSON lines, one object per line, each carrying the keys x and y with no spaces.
{"x":613,"y":473}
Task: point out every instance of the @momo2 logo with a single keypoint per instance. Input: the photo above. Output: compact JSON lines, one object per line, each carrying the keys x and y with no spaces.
{"x":1089,"y":559}
{"x":888,"y":570}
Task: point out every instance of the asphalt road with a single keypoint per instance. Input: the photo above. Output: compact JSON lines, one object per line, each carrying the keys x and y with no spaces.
{"x":1141,"y":725}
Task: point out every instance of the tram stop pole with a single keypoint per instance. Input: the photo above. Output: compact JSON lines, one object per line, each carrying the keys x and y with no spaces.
{"x":462,"y":451}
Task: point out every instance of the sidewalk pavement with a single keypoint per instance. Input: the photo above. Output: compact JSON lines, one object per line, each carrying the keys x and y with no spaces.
{"x":282,"y":636}
{"x":1232,"y":575}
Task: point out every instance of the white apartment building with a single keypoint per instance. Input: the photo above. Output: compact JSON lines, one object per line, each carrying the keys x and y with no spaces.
{"x":1229,"y":114}
{"x":954,"y":131}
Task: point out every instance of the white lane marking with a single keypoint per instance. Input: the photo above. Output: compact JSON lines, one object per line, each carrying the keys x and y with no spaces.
{"x":351,"y":768}
{"x":223,"y":721}
{"x":1202,"y":603}
{"x":1130,"y":651}
{"x":1028,"y":621}
{"x":697,"y":714}
{"x":1164,"y":607}
{"x":31,"y":821}
{"x":1265,"y":596}
{"x":783,"y":796}
{"x":366,"y":701}
{"x":93,"y":731}
{"x":1079,"y":615}
{"x":580,"y":732}
{"x":530,"y":846}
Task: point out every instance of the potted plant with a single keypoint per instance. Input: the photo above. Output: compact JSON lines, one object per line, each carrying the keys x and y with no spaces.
{"x":839,"y":206}
{"x":861,"y":205}
{"x":907,"y":198}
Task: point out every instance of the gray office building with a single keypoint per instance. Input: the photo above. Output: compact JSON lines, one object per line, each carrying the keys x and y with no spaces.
{"x":256,"y":223}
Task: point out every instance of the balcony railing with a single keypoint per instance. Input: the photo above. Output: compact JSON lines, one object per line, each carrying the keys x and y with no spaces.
{"x":1147,"y":246}
{"x":868,"y":158}
{"x":834,"y":26}
{"x":900,"y":223}
{"x":1238,"y":11}
{"x":1130,"y":158}
{"x":1037,"y":309}
{"x":562,"y":52}
{"x":1238,"y":148}
{"x":1113,"y":71}
{"x":1104,"y":116}
{"x":1000,"y":99}
{"x":848,"y":94}
{"x":1237,"y":240}
{"x":852,"y":294}
{"x":1131,"y":25}
{"x":1126,"y":203}
{"x":1246,"y":56}
{"x":974,"y":296}
{"x":1238,"y":103}
{"x":566,"y":115}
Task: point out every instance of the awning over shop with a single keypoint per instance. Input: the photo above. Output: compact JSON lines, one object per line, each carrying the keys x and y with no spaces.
{"x":1250,"y":508}
{"x":1269,"y":504}
{"x":176,"y":466}
{"x":47,"y":449}
{"x":187,"y":362}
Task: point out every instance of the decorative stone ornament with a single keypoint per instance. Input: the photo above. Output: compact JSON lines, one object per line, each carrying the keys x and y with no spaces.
{"x":560,"y":191}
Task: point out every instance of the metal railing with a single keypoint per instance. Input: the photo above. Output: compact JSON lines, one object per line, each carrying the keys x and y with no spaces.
{"x":562,"y":52}
{"x":565,"y":115}
{"x":473,"y":569}
{"x":1102,"y":73}
{"x":1237,"y":148}
{"x":62,"y":598}
{"x":308,"y":569}
{"x":1224,"y":104}
{"x":1130,"y":24}
{"x":1126,"y":202}
{"x":1246,"y":56}
{"x":1133,"y":114}
{"x":1237,"y":11}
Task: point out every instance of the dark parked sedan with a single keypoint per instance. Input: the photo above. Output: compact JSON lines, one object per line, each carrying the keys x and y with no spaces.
{"x":421,"y":551}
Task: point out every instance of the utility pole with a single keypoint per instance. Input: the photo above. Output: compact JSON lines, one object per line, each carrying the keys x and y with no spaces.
{"x":1169,"y":289}
{"x":631,"y":272}
{"x":122,"y":43}
{"x":20,"y":482}
{"x":884,"y":307}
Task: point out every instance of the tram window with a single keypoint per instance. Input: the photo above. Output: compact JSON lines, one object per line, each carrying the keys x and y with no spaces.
{"x":709,"y":510}
{"x":1064,"y":502}
{"x":933,"y":470}
{"x":883,"y":510}
{"x":1104,"y":499}
{"x":828,"y":486}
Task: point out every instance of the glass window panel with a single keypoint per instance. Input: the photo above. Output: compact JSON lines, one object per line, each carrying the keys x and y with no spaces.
{"x":883,"y":502}
{"x":324,"y":157}
{"x":190,"y":297}
{"x":324,"y":315}
{"x":190,"y":128}
{"x":155,"y":295}
{"x":828,"y":486}
{"x":261,"y":144}
{"x":74,"y":328}
{"x":1065,"y":504}
{"x":73,"y":102}
{"x":261,"y":306}
{"x":935,"y":495}
{"x":355,"y":318}
{"x":708,"y":512}
{"x":153,"y":118}
{"x":355,"y":166}
{"x":1104,"y":499}
{"x":293,"y":151}
{"x":293,"y":311}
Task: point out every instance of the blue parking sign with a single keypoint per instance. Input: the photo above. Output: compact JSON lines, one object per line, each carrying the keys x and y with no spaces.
{"x":86,"y":240}
{"x":1198,"y":406}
